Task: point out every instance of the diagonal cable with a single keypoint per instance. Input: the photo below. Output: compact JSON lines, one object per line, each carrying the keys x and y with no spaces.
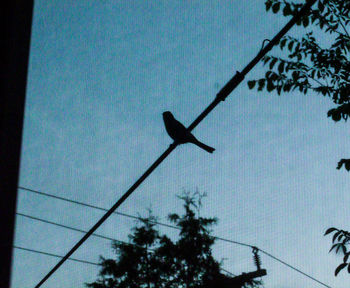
{"x":295,"y":269}
{"x":109,"y":212}
{"x":77,"y":230}
{"x":54,"y":255}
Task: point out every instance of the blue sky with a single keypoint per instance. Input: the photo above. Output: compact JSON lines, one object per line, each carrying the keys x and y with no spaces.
{"x":100,"y":75}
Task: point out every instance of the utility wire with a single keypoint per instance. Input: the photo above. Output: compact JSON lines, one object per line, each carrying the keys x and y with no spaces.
{"x":79,"y":260}
{"x":82,"y":231}
{"x":228,"y":272}
{"x":295,"y":269}
{"x":55,"y":255}
{"x":122,"y":214}
{"x":96,"y":264}
{"x":92,"y":206}
{"x":221,"y":96}
{"x":77,"y":230}
{"x":155,"y":222}
{"x":66,"y":226}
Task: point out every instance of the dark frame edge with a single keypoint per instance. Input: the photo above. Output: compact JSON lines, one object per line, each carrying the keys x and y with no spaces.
{"x":17,"y":23}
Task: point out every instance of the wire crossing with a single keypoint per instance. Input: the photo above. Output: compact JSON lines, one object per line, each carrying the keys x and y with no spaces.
{"x":155,"y":222}
{"x":90,"y":206}
{"x":221,"y":96}
{"x":82,"y":231}
{"x":110,"y":211}
{"x":121,"y":214}
{"x":76,"y":229}
{"x":79,"y":260}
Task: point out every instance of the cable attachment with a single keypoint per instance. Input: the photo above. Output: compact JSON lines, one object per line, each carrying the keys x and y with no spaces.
{"x":263,"y":44}
{"x":256,"y":258}
{"x":229,"y":86}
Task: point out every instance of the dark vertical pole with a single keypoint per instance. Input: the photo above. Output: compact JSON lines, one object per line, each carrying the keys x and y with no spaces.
{"x":17,"y":21}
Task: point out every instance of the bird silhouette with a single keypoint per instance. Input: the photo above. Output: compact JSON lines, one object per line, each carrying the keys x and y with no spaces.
{"x":180,"y":134}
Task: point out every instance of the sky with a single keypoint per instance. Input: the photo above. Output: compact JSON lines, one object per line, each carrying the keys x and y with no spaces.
{"x":100,"y":75}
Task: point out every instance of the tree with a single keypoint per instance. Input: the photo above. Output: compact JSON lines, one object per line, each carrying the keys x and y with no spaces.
{"x":154,"y":260}
{"x":313,"y":65}
{"x":194,"y":263}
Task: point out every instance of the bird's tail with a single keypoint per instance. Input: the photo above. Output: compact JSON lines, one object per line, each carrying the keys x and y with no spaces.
{"x":203,"y":146}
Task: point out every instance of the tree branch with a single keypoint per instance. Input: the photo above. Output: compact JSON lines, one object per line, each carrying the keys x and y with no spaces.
{"x":340,"y":22}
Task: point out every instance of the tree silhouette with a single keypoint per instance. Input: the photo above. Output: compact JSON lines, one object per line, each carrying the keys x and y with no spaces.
{"x":193,"y":249}
{"x":316,"y":65}
{"x":154,"y":260}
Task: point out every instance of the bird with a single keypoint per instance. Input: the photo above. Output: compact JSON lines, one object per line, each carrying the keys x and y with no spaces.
{"x":179,"y":133}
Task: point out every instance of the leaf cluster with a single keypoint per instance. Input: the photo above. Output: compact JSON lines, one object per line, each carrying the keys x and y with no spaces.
{"x":313,"y":64}
{"x":341,"y":241}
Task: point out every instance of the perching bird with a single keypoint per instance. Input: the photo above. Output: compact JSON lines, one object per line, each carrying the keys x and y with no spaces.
{"x":179,"y":133}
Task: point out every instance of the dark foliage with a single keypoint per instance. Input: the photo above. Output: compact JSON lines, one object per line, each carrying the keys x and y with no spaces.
{"x":310,"y":64}
{"x":341,"y":242}
{"x":154,"y":260}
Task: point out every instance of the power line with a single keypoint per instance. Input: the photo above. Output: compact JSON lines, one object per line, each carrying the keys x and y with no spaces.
{"x":110,"y":211}
{"x":82,"y":231}
{"x":123,"y":214}
{"x":295,"y":269}
{"x":92,"y":206}
{"x":55,"y":255}
{"x":155,"y":222}
{"x":76,"y":229}
{"x":67,"y":227}
{"x":76,"y":259}
{"x":152,"y":250}
{"x":228,"y":272}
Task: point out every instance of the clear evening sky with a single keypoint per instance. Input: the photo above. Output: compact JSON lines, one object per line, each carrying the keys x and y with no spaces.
{"x":100,"y":75}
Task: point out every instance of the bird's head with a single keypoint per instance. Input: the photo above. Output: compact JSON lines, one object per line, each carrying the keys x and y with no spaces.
{"x":167,"y":115}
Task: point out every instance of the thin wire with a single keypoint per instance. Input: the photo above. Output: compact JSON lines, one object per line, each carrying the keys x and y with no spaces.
{"x":92,"y":206}
{"x":96,"y":264}
{"x":119,"y":202}
{"x":228,"y":272}
{"x":79,"y":260}
{"x":123,"y":214}
{"x":67,"y":227}
{"x":295,"y":269}
{"x":174,"y":227}
{"x":78,"y":230}
{"x":55,"y":255}
{"x":82,"y":231}
{"x":234,"y":242}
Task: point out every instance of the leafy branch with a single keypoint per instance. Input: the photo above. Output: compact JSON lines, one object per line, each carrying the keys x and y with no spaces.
{"x":340,"y":240}
{"x":307,"y":61}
